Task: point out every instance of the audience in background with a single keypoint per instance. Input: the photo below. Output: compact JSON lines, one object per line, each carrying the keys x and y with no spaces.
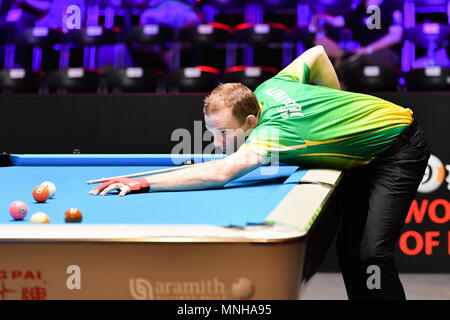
{"x":47,"y":13}
{"x":22,"y":13}
{"x":378,"y":46}
{"x":55,"y":12}
{"x":351,"y":40}
{"x":175,"y":14}
{"x":18,"y":15}
{"x":440,"y":58}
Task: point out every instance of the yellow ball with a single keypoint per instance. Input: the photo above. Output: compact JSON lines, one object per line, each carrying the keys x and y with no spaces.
{"x":39,"y":217}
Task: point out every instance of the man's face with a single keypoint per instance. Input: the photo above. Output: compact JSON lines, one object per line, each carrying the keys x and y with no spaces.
{"x":228,"y":133}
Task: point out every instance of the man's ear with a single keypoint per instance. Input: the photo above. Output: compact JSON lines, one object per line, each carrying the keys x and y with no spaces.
{"x":252,"y":121}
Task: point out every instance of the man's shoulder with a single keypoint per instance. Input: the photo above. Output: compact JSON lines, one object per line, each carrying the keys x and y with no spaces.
{"x":263,"y":85}
{"x":272,"y":82}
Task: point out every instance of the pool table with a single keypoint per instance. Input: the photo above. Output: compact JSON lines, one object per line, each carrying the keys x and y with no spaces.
{"x":261,"y":236}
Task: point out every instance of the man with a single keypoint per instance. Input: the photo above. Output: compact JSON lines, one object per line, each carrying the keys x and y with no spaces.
{"x":383,"y":151}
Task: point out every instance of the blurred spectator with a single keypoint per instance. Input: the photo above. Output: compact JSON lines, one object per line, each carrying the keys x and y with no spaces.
{"x":18,"y":15}
{"x":55,"y":12}
{"x":378,"y":46}
{"x":440,"y":58}
{"x":176,"y":14}
{"x":29,"y":13}
{"x":55,"y":18}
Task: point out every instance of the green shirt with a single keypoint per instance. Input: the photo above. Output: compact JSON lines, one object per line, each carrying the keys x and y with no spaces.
{"x":315,"y":126}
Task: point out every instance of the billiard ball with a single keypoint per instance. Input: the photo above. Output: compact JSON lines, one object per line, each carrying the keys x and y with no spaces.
{"x":18,"y":210}
{"x":51,"y":188}
{"x":73,"y":215}
{"x":39,"y":217}
{"x":243,"y":289}
{"x":188,"y":162}
{"x":40,"y":193}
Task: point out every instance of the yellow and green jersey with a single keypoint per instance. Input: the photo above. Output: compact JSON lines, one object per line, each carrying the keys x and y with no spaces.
{"x":315,"y":126}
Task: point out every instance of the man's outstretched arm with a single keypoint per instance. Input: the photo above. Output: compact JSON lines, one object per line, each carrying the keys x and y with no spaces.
{"x":213,"y":174}
{"x":321,"y":68}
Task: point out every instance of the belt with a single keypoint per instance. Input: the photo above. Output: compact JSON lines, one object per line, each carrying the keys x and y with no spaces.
{"x":401,"y":140}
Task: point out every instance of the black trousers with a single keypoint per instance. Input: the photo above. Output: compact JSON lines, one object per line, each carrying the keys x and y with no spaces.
{"x":375,"y":200}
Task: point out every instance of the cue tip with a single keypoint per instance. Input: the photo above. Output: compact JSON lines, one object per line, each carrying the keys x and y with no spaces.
{"x":95,"y":181}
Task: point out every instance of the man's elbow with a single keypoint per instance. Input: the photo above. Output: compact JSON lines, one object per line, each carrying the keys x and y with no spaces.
{"x":320,"y":48}
{"x":313,"y":54}
{"x":319,"y":60}
{"x":319,"y":51}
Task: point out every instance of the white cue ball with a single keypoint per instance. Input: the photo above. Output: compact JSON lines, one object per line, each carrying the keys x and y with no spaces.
{"x":51,"y":188}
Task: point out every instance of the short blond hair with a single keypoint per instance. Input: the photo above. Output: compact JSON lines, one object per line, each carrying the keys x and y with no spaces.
{"x":233,"y":95}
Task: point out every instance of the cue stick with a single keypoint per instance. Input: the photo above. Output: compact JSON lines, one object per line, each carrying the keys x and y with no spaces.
{"x":148,"y":173}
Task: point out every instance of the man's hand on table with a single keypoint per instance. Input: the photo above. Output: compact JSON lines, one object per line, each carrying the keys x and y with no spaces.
{"x":125,"y":185}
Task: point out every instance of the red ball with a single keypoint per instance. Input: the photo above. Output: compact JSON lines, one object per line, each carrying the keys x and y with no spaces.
{"x":41,"y":193}
{"x":73,"y":215}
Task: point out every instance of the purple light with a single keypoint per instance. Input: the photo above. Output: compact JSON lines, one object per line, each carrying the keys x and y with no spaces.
{"x":435,"y":2}
{"x":14,"y":15}
{"x":94,"y":31}
{"x":327,"y":2}
{"x":273,"y":2}
{"x":431,"y":28}
{"x":40,"y":31}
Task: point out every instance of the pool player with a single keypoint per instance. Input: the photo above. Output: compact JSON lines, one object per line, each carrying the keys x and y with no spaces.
{"x":381,"y":148}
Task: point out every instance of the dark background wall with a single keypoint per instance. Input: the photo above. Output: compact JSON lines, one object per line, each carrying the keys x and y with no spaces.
{"x":144,"y":124}
{"x":95,"y":124}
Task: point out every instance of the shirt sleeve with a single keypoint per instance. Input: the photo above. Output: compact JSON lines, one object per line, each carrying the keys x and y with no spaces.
{"x":297,"y":71}
{"x":264,"y":141}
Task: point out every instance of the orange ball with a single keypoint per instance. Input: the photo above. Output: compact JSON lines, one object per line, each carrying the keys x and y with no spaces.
{"x":73,"y":215}
{"x":41,"y":193}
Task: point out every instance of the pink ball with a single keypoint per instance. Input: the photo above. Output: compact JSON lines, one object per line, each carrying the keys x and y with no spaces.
{"x":18,"y":210}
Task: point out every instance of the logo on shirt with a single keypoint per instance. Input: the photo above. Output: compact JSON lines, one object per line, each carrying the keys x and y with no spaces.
{"x":290,"y":108}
